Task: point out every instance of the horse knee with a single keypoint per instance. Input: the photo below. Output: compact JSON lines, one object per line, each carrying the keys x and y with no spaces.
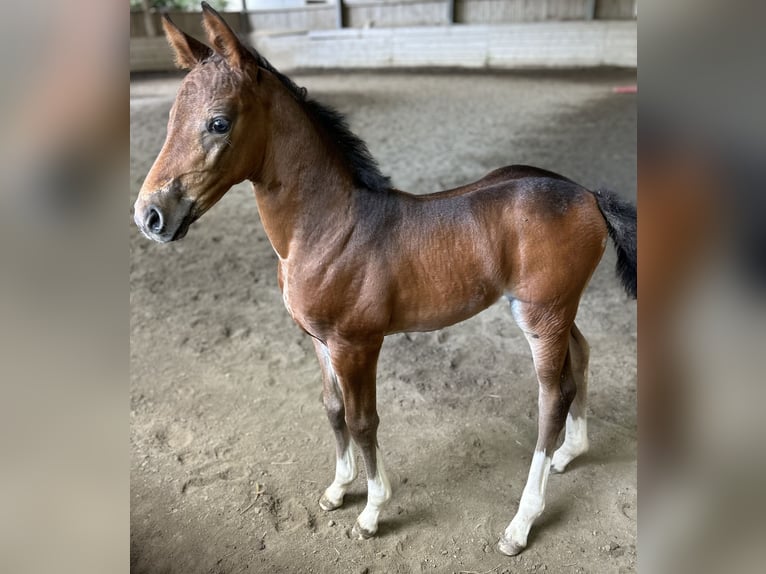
{"x":363,"y":428}
{"x":336,"y":413}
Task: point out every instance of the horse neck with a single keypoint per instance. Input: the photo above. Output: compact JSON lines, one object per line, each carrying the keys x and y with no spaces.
{"x":303,"y":188}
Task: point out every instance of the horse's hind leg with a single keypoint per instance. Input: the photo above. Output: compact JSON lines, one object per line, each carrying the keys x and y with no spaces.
{"x":345,"y":459}
{"x":547,"y":330}
{"x":576,"y":435}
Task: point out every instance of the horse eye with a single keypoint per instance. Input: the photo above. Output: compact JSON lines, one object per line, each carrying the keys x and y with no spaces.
{"x":219,"y":125}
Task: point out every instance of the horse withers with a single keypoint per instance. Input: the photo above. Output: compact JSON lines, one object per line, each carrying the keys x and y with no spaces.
{"x":358,"y":260}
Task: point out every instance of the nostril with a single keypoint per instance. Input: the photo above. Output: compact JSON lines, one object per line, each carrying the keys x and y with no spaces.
{"x":153,"y":220}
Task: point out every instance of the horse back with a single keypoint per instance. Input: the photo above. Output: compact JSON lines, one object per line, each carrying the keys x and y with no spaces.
{"x":519,"y":230}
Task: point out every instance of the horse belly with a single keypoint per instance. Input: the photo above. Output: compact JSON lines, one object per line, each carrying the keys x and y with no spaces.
{"x":430,"y":305}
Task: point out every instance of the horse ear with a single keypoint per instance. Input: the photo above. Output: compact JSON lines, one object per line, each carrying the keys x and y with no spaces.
{"x":188,"y":51}
{"x":222,"y":37}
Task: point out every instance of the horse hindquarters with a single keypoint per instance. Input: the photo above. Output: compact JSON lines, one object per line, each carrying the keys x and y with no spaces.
{"x":558,"y":258}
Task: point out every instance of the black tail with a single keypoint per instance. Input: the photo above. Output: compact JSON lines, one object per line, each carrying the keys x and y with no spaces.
{"x":620,"y":218}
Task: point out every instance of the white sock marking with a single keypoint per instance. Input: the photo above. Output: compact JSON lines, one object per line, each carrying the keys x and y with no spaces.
{"x":345,"y":473}
{"x":575,"y":442}
{"x":532,"y":501}
{"x":378,"y":494}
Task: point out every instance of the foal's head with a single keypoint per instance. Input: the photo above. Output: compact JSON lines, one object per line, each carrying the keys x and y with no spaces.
{"x":212,"y":137}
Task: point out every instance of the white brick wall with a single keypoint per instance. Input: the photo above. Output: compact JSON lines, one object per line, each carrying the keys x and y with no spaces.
{"x":504,"y":46}
{"x":501,"y":46}
{"x":150,"y":55}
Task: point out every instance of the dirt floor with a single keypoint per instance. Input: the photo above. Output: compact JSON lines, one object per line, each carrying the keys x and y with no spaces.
{"x":230,"y":447}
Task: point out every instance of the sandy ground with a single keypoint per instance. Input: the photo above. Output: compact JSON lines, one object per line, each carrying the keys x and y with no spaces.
{"x":230,"y":448}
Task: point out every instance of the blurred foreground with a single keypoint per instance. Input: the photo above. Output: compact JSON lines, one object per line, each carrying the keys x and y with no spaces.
{"x":702,"y":281}
{"x":63,"y":287}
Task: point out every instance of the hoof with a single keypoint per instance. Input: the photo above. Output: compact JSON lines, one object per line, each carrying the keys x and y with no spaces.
{"x":509,"y":547}
{"x":560,"y":462}
{"x":329,"y":505}
{"x":563,"y":457}
{"x":558,"y":469}
{"x":361,"y":533}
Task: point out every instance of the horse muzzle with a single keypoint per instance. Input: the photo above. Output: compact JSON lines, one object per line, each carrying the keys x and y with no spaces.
{"x":163,"y":216}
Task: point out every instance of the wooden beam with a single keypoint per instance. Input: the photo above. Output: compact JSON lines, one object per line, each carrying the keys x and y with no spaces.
{"x":339,"y":14}
{"x":590,"y":10}
{"x":148,"y":19}
{"x":244,"y":20}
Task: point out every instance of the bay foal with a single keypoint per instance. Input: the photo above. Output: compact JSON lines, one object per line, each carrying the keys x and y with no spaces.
{"x":359,"y":260}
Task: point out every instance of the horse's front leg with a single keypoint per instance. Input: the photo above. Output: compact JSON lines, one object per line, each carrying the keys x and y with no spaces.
{"x":345,"y":458}
{"x":355,"y":365}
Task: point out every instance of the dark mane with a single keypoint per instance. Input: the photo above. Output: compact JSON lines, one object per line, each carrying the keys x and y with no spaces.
{"x":364,"y":168}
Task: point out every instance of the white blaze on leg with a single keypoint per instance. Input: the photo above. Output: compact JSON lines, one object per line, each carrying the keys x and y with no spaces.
{"x":575,"y":443}
{"x":378,"y":494}
{"x":530,"y":507}
{"x":345,"y":473}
